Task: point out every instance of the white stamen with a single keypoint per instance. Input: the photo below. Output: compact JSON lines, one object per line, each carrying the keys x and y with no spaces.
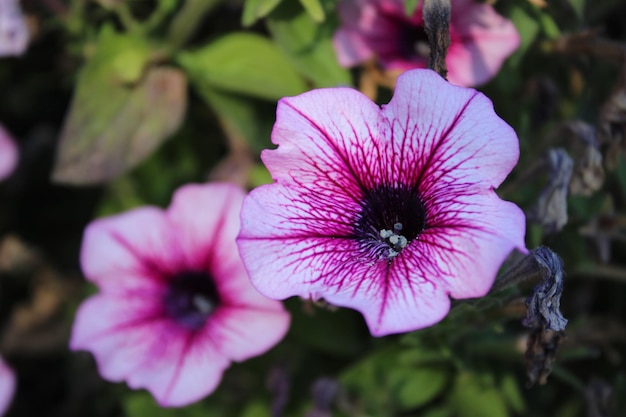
{"x":203,"y":304}
{"x":422,"y":48}
{"x":384,"y":233}
{"x":394,"y":239}
{"x":397,"y":227}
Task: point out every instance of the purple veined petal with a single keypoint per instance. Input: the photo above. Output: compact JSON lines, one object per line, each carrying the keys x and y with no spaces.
{"x":8,"y":154}
{"x":135,"y":251}
{"x":319,"y":141}
{"x":445,"y":135}
{"x":391,"y":212}
{"x":7,"y":386}
{"x":132,"y":342}
{"x":14,"y":34}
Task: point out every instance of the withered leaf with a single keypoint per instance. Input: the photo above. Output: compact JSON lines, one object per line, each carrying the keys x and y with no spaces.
{"x":144,"y":116}
{"x":121,"y":112}
{"x":551,"y":209}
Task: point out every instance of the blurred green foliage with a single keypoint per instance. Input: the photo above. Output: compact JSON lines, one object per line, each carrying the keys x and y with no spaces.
{"x":137,"y":98}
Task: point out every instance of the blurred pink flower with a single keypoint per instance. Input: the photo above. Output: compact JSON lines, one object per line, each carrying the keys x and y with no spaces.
{"x":388,"y":211}
{"x":7,"y":386}
{"x":14,"y":34}
{"x":175,"y":304}
{"x":8,"y":153}
{"x":481,"y":39}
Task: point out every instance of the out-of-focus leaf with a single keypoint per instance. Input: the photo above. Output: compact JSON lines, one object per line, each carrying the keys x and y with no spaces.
{"x":414,"y":387}
{"x":548,"y":25}
{"x":340,"y":333}
{"x":242,"y":119}
{"x":443,"y":411}
{"x":256,"y":409}
{"x":308,"y":48}
{"x":112,"y":127}
{"x":512,"y":393}
{"x":314,"y":9}
{"x":141,"y":404}
{"x":389,"y":380}
{"x":410,"y":6}
{"x":259,"y":175}
{"x":579,"y":8}
{"x":243,"y":63}
{"x":120,"y":57}
{"x":254,"y":10}
{"x":473,"y":395}
{"x":528,"y":28}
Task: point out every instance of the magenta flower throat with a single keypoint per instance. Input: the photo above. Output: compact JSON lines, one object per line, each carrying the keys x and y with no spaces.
{"x":390,"y":211}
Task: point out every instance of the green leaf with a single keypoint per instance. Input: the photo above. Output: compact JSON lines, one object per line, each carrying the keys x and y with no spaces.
{"x":308,"y":47}
{"x":119,"y":115}
{"x":528,"y":28}
{"x":256,"y":409}
{"x":254,"y":10}
{"x":442,"y":411}
{"x":243,"y":120}
{"x":259,"y":175}
{"x":414,"y":387}
{"x":141,"y":404}
{"x":395,"y":379}
{"x":473,"y":395}
{"x":243,"y":63}
{"x":579,"y":8}
{"x":548,"y":26}
{"x":340,"y":333}
{"x":512,"y":393}
{"x":410,"y":6}
{"x":315,"y":9}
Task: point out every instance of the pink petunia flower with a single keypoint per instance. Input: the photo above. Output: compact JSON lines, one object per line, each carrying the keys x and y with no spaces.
{"x":176,"y":305}
{"x":481,"y":39}
{"x":390,"y":210}
{"x":8,"y":154}
{"x":14,"y":34}
{"x":7,"y":386}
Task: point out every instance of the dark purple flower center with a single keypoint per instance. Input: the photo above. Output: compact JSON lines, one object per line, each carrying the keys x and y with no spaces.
{"x":390,"y":218}
{"x":413,"y":41}
{"x":190,"y":299}
{"x":411,"y":37}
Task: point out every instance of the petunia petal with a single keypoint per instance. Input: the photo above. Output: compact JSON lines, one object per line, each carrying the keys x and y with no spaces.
{"x":446,"y":135}
{"x":7,"y":386}
{"x":319,"y":141}
{"x":14,"y":34}
{"x":483,"y":41}
{"x":131,"y":251}
{"x":243,"y":332}
{"x":8,"y":154}
{"x":132,"y":341}
{"x":207,"y":215}
{"x":350,"y":47}
{"x":467,"y":240}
